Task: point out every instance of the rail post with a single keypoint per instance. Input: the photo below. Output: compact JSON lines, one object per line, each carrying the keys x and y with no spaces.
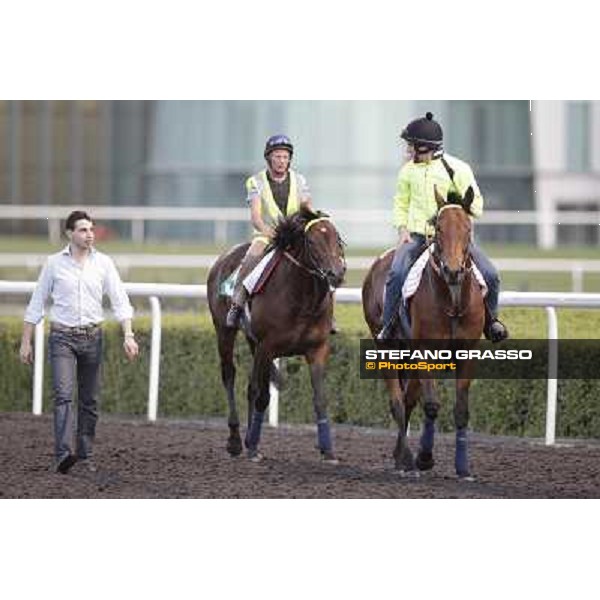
{"x":154,"y":359}
{"x":552,"y":393}
{"x":38,"y":368}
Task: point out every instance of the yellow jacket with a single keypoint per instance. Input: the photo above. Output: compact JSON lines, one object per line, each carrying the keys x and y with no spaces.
{"x":414,"y":202}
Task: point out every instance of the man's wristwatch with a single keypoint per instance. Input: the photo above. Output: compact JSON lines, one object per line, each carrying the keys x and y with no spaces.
{"x":129,"y":335}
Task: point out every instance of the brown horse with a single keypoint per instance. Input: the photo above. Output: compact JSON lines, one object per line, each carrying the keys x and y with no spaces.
{"x":291,"y":316}
{"x":448,"y":305}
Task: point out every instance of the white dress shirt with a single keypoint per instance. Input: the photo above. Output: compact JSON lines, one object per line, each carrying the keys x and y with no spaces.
{"x":77,"y":290}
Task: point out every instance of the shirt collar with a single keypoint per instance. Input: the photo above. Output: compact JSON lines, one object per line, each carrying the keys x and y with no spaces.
{"x":429,"y":162}
{"x":67,"y":250}
{"x":270,"y":177}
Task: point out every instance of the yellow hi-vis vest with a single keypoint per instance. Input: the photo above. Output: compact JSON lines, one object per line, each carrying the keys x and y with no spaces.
{"x":269,"y":210}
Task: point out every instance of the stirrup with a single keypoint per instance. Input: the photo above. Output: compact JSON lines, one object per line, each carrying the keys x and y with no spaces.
{"x":233,"y":316}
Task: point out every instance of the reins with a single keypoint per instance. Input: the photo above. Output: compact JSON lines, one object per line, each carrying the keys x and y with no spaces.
{"x":314,"y":269}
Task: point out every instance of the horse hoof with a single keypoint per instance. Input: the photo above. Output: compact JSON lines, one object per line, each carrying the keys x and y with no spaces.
{"x":425,"y":461}
{"x":255,"y":456}
{"x":234,"y":447}
{"x":328,"y":458}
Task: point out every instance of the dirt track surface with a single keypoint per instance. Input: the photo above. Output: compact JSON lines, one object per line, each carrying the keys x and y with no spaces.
{"x":187,"y":459}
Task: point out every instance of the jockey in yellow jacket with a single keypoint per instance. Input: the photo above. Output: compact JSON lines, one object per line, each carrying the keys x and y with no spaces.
{"x":415,"y":204}
{"x":273,"y":193}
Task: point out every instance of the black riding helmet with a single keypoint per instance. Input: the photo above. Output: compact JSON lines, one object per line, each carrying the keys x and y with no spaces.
{"x":424,"y":133}
{"x":279,"y":142}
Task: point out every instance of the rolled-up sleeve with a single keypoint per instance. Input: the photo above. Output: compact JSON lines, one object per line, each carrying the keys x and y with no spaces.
{"x":36,"y":308}
{"x":252,"y":190}
{"x":115,"y":290}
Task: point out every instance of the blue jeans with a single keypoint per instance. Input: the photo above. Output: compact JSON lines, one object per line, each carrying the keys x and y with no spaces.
{"x":491,"y":276}
{"x":404,"y":258}
{"x":75,"y":356}
{"x":407,"y":254}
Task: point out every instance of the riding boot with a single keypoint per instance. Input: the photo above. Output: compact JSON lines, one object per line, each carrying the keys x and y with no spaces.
{"x":240,"y":294}
{"x":238,"y":301}
{"x":493,"y":329}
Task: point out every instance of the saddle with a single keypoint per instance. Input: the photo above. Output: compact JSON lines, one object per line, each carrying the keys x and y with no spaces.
{"x":256,"y":280}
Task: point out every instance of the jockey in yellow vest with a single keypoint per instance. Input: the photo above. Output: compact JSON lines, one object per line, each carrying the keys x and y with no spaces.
{"x":272,"y":194}
{"x":415,"y":204}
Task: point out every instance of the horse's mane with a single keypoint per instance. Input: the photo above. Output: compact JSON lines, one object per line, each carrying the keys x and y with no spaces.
{"x":290,"y":230}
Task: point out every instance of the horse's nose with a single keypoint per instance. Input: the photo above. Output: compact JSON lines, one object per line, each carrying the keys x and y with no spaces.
{"x":336,"y":275}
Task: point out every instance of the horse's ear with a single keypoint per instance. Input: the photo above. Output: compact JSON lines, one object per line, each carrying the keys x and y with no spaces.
{"x":468,"y":199}
{"x":438,"y":197}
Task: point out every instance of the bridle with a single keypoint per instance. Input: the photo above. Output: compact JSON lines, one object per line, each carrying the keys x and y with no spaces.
{"x":312,"y":265}
{"x":438,"y":254}
{"x":453,"y":279}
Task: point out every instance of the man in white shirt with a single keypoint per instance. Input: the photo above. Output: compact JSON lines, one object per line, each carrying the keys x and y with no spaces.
{"x":76,"y":279}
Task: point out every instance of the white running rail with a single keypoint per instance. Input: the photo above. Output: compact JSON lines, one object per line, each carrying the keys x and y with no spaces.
{"x":548,"y":300}
{"x":576,"y":267}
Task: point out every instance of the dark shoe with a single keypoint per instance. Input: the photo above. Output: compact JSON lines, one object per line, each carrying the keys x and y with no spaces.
{"x":65,"y":464}
{"x":233,"y":316}
{"x":496,"y":332}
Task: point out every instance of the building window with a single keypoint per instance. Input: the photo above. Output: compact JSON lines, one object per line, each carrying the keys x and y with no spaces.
{"x":578,"y":136}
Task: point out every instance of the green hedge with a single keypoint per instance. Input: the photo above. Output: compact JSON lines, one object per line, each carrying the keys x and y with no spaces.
{"x":190,"y":384}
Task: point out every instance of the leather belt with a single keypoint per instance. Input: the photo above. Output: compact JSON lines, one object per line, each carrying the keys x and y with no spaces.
{"x":83,"y":329}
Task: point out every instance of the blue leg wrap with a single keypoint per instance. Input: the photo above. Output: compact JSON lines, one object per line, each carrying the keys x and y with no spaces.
{"x":427,"y":435}
{"x":324,"y":435}
{"x":461,"y":459}
{"x":253,"y":434}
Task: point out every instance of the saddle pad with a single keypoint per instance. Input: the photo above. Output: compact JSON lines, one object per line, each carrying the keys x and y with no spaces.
{"x":255,"y":281}
{"x":414,"y":275}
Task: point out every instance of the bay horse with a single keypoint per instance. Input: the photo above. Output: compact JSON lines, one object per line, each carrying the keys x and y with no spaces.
{"x":291,"y":316}
{"x":448,"y":305}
